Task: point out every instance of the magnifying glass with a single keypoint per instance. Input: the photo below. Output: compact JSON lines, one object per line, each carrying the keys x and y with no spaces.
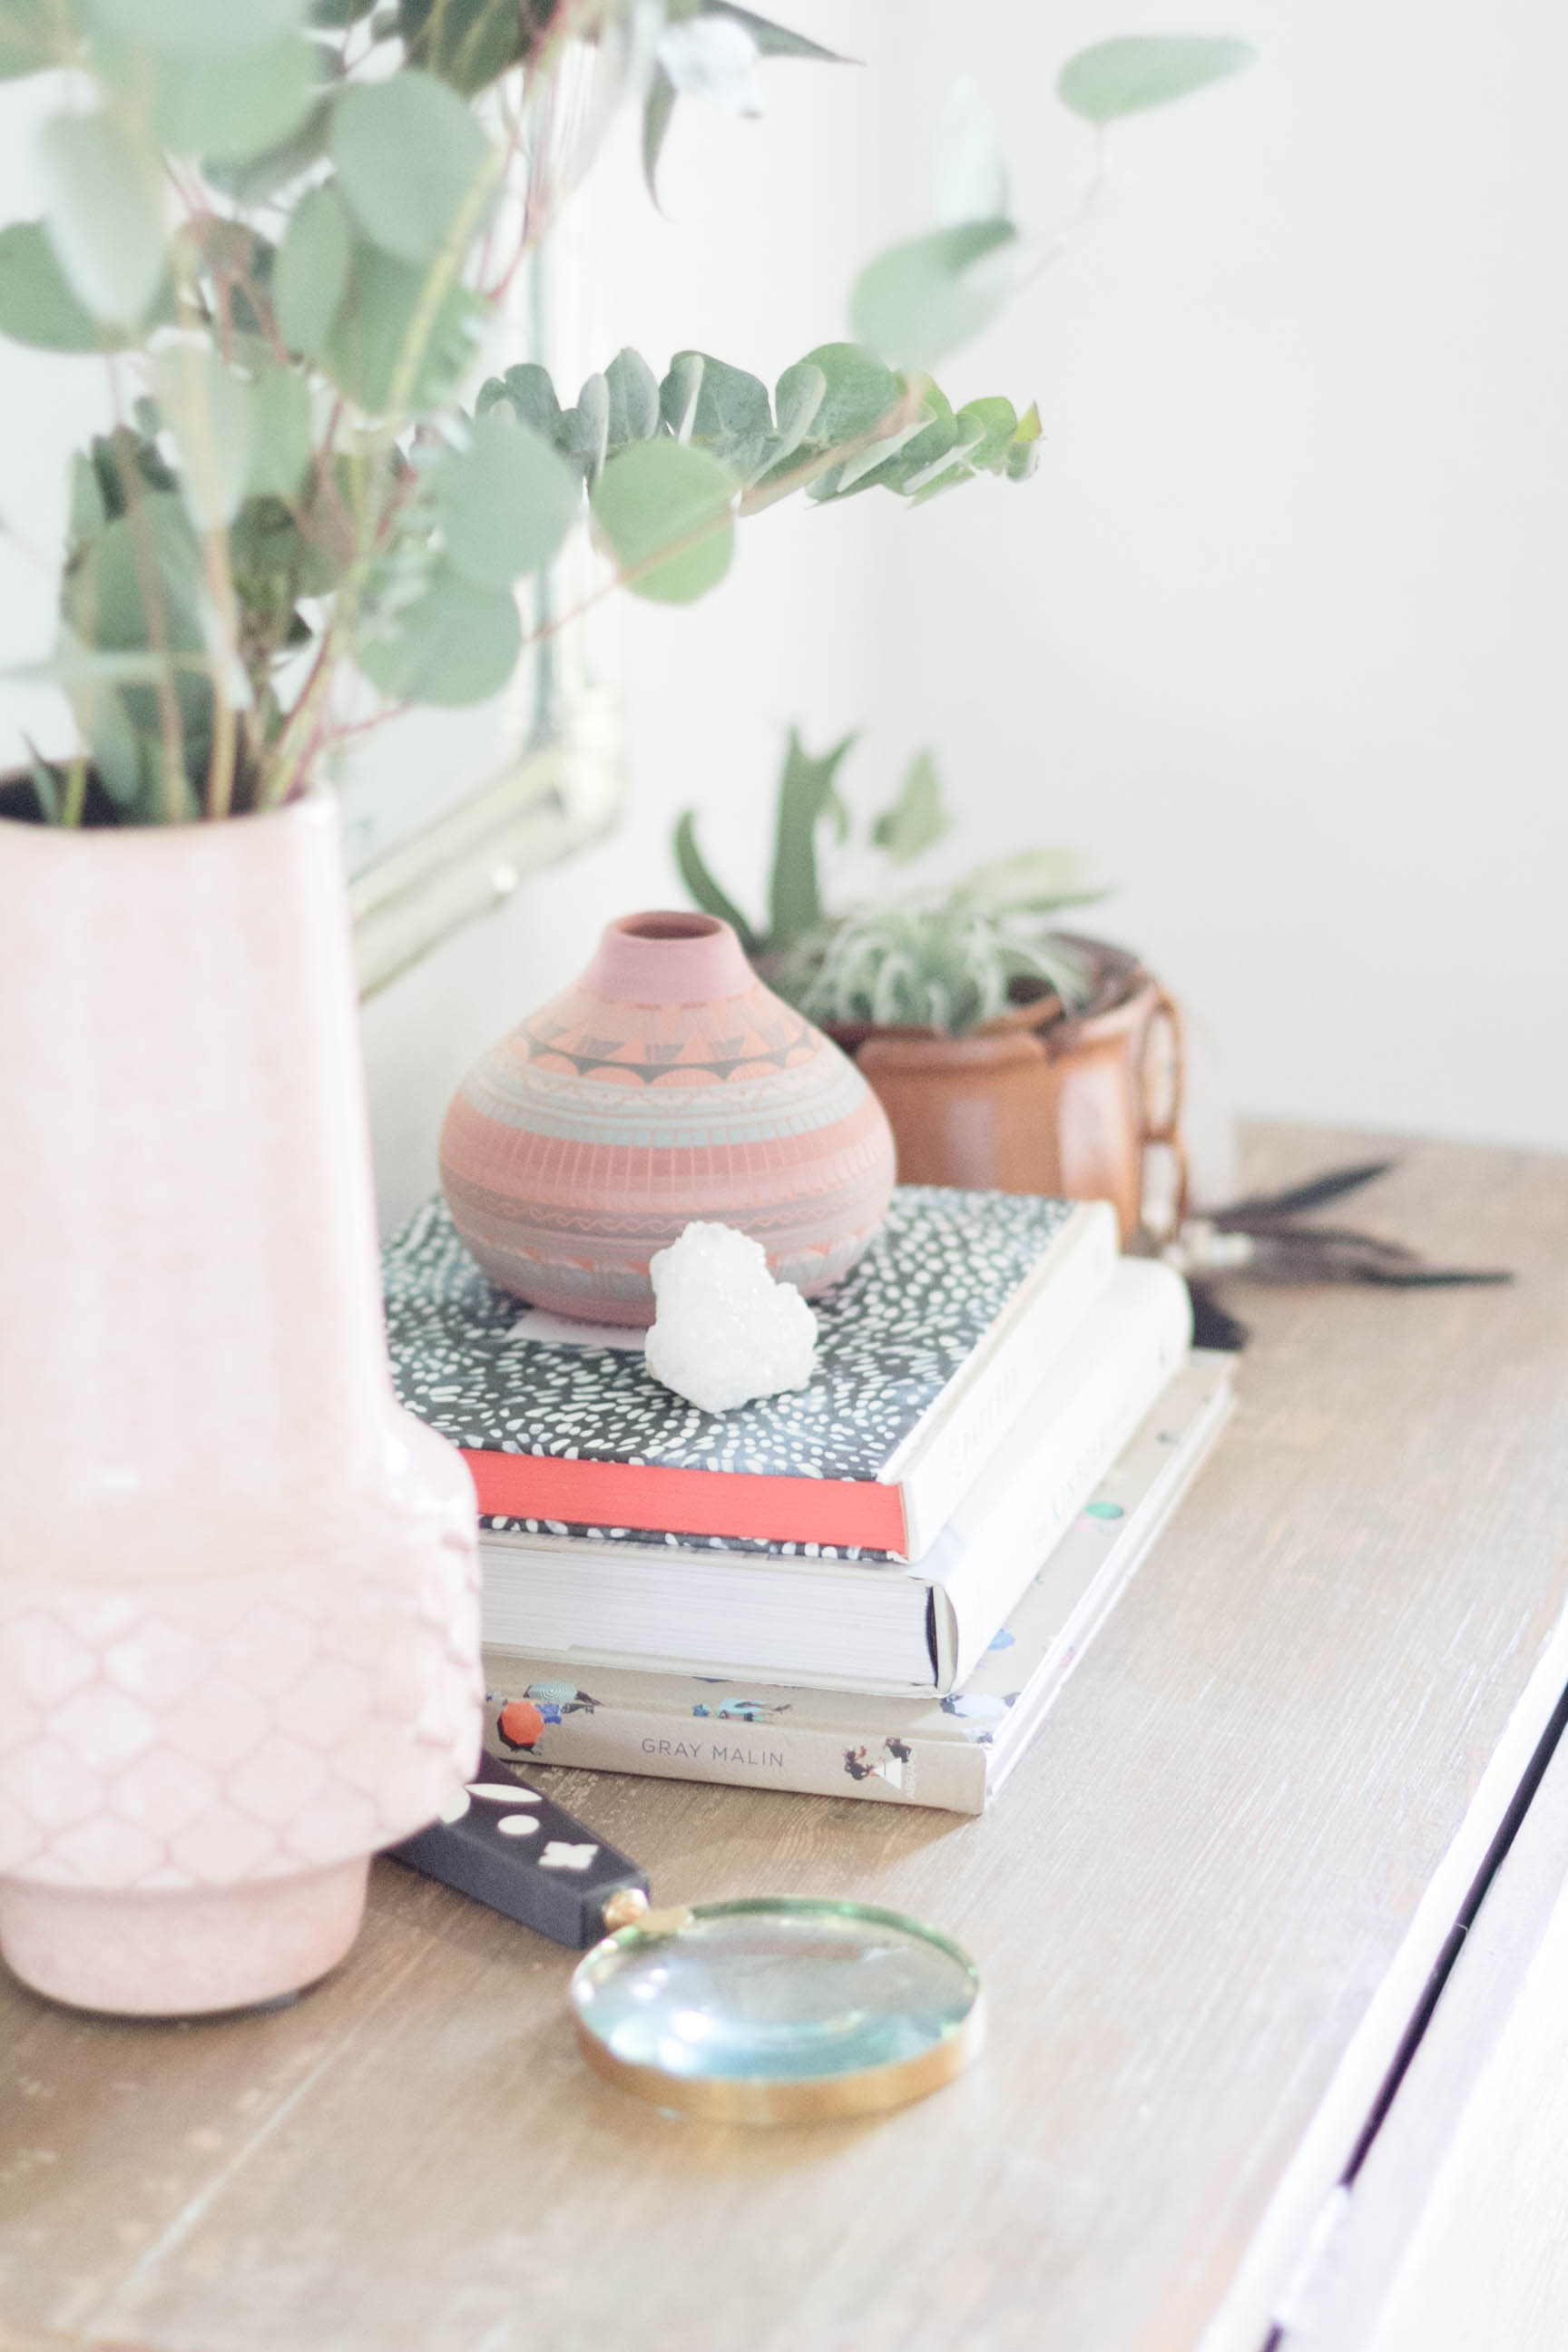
{"x":772,"y":2010}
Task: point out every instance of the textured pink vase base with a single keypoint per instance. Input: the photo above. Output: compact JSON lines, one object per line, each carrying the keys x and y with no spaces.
{"x":668,"y":1084}
{"x":238,"y":1584}
{"x":181,"y":1955}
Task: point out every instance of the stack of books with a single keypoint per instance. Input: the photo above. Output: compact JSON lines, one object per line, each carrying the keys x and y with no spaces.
{"x":873,"y":1586}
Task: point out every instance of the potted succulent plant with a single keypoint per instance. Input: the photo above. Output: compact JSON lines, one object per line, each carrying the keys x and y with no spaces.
{"x":237,"y":1622}
{"x":1005,"y":1052}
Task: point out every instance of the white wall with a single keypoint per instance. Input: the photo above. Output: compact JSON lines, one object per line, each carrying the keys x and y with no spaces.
{"x":1276,"y":627}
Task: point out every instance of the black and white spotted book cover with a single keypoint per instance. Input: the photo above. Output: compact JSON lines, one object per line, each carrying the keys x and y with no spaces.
{"x":568,"y":1432}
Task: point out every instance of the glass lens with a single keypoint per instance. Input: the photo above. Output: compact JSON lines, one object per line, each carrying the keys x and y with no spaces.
{"x":779,"y":1992}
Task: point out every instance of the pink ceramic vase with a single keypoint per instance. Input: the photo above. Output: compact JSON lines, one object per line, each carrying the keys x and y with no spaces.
{"x":666,"y":1083}
{"x":238,"y":1590}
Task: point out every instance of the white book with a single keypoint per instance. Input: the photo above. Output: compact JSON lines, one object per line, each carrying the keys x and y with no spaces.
{"x":954,"y":1752}
{"x":859,"y":1625}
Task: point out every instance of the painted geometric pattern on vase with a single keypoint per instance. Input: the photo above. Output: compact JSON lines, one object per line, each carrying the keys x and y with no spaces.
{"x":247,"y":1727}
{"x":589,"y":1137}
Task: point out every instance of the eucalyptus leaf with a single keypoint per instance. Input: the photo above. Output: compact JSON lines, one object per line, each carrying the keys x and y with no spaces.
{"x":87,"y":512}
{"x":922,"y":299}
{"x":207,"y":407}
{"x":234,"y":104}
{"x":665,"y":510}
{"x":506,"y":503}
{"x":193,"y":28}
{"x":313,"y":269}
{"x":798,"y":397}
{"x":365,"y":344}
{"x":729,"y":404}
{"x":261,"y":177}
{"x":37,"y":304}
{"x":585,"y":429}
{"x":860,"y":393}
{"x":33,"y":34}
{"x":680,"y":392}
{"x":280,"y":434}
{"x":1024,"y":449}
{"x":700,"y":882}
{"x":531,"y":394}
{"x":633,"y":387}
{"x":916,"y":818}
{"x":411,"y":158}
{"x":1136,"y":71}
{"x":457,"y":644}
{"x":105,"y":218}
{"x":986,"y":428}
{"x":334,"y":15}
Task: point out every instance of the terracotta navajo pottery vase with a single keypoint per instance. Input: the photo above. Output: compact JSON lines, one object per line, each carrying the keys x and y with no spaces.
{"x":668,"y":1084}
{"x":238,"y":1584}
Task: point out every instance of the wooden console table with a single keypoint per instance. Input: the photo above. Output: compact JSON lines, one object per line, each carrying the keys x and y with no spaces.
{"x":1206,"y":1908}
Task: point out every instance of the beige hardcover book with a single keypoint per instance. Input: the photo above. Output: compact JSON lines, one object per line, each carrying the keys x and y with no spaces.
{"x":952,"y":1753}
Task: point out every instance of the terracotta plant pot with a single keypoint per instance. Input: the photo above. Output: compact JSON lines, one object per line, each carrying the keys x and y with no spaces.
{"x":239,"y":1588}
{"x":1035,"y":1102}
{"x":666,"y":1083}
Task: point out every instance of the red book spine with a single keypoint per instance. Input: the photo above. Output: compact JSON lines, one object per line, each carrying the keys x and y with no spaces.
{"x":840,"y":1511}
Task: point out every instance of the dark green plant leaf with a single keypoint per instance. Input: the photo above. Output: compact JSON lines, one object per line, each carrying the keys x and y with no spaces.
{"x":333,"y":16}
{"x":105,"y":216}
{"x":658,"y":108}
{"x":665,"y":510}
{"x":457,"y":644}
{"x":1137,"y":71}
{"x":411,"y":160}
{"x":632,"y":388}
{"x":367,"y":336}
{"x":506,"y":503}
{"x":774,"y":40}
{"x":313,"y":269}
{"x":47,"y":781}
{"x":280,"y":434}
{"x":193,"y":28}
{"x":532,"y":396}
{"x":704,"y":889}
{"x":807,"y":795}
{"x":916,"y":818}
{"x":33,"y":34}
{"x":467,"y":42}
{"x":921,"y":300}
{"x":37,"y":303}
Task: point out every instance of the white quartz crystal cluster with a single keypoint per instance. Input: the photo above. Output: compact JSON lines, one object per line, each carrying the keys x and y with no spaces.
{"x":725,"y":1330}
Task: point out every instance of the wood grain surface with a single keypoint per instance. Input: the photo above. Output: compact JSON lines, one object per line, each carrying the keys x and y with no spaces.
{"x":1221,"y":1849}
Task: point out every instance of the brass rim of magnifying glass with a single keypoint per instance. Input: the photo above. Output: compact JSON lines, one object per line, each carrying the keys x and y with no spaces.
{"x":824,"y":2098}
